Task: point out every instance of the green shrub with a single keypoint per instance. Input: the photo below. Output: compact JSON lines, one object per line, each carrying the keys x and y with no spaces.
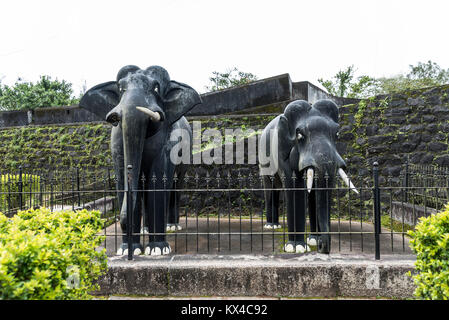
{"x":430,"y":242}
{"x":9,"y":186}
{"x":50,"y":255}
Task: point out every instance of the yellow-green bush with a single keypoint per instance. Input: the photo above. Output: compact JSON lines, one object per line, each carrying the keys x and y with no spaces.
{"x":9,"y":186}
{"x":50,"y":255}
{"x":430,"y":242}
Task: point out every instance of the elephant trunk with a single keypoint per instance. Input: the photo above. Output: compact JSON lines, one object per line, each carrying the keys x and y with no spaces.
{"x":135,"y":124}
{"x":134,"y":128}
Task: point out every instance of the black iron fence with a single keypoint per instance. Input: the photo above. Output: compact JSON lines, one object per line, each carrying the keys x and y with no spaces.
{"x":427,"y":185}
{"x":225,"y":213}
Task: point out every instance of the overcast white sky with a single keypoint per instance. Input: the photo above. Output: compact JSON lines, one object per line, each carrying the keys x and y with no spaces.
{"x":90,"y":40}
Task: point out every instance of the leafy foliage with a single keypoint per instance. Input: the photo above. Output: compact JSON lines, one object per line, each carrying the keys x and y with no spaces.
{"x":228,"y":79}
{"x":344,"y":83}
{"x":44,"y":93}
{"x":50,"y":255}
{"x":430,"y":242}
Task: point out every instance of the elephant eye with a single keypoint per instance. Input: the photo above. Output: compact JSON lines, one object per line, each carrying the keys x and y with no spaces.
{"x":338,"y":134}
{"x":299,"y":136}
{"x":156,"y":88}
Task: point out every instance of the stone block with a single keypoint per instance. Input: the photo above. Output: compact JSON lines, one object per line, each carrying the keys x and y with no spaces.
{"x":415,"y":101}
{"x":258,"y":93}
{"x":442,"y":160}
{"x":14,"y":118}
{"x":437,"y":146}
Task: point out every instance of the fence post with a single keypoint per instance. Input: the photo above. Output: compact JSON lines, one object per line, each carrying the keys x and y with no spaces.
{"x":20,"y":188}
{"x":406,"y":182}
{"x":78,"y":185}
{"x":376,"y":194}
{"x":129,"y":213}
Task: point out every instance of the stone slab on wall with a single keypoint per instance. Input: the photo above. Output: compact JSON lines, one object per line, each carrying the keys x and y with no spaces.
{"x":408,"y":213}
{"x":257,"y":93}
{"x":71,"y":114}
{"x":14,"y":118}
{"x":269,"y":95}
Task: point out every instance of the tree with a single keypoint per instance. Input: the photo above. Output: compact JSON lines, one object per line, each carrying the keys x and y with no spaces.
{"x":343,"y":85}
{"x":230,"y":78}
{"x":44,"y":93}
{"x":420,"y":76}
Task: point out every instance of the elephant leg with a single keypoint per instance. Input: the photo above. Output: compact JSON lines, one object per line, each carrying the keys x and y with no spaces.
{"x":271,"y":204}
{"x":156,"y":204}
{"x":312,"y":239}
{"x":296,"y":220}
{"x":135,"y":227}
{"x":323,"y":214}
{"x":173,"y":211}
{"x":175,"y":196}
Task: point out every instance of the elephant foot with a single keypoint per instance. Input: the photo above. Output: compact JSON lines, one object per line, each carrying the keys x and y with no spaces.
{"x":296,"y":247}
{"x":324,"y":244}
{"x":312,"y":241}
{"x":157,"y":248}
{"x":271,"y":226}
{"x":123,"y":250}
{"x":173,"y":227}
{"x":144,"y":230}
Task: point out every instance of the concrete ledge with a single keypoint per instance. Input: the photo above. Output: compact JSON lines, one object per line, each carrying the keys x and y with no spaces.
{"x":310,"y":275}
{"x":409,"y":213}
{"x":258,"y":93}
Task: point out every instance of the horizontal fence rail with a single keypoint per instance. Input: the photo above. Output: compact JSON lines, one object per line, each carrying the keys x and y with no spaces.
{"x":224,"y":212}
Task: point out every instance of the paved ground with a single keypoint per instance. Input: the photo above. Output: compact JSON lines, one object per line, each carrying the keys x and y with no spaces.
{"x":223,"y":236}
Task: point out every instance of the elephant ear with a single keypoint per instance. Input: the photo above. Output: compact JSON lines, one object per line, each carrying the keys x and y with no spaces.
{"x":101,"y":99}
{"x":327,"y":108}
{"x":286,"y":140}
{"x":179,"y":99}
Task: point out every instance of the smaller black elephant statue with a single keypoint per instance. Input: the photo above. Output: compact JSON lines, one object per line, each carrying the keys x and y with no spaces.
{"x":301,"y":143}
{"x":145,"y":107}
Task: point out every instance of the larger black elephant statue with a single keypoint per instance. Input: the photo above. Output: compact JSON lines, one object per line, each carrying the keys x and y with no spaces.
{"x":301,"y":143}
{"x":145,"y":107}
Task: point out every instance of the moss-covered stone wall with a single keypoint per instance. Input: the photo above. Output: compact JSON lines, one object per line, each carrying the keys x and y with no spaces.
{"x":390,"y":129}
{"x":41,"y":147}
{"x":86,"y":145}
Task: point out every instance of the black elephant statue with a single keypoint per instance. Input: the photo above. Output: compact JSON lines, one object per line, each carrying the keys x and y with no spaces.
{"x":145,"y":107}
{"x":301,"y":142}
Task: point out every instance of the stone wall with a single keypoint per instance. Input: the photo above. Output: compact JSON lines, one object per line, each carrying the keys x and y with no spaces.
{"x":388,"y":129}
{"x":412,"y":125}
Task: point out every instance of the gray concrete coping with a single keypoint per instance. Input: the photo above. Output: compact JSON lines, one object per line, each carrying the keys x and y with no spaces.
{"x":284,"y":275}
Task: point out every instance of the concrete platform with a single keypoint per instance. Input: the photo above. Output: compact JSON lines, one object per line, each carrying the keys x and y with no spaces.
{"x":307,"y":275}
{"x":217,"y":264}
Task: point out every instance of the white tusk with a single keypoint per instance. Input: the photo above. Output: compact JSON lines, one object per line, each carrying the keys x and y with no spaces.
{"x":155,"y":116}
{"x":345,"y":178}
{"x":309,"y":179}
